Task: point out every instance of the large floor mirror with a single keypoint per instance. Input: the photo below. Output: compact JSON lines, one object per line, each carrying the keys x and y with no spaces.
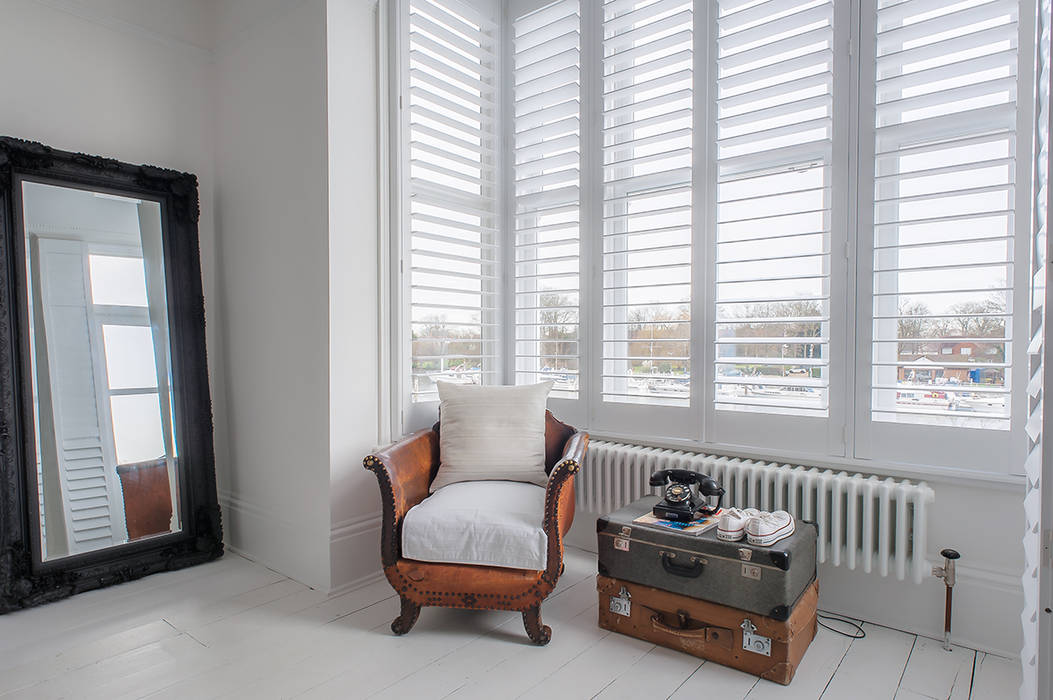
{"x":110,"y":473}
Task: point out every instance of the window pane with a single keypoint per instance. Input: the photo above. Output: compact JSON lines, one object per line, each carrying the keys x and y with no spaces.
{"x":944,"y":176}
{"x":130,"y":361}
{"x":452,"y":208}
{"x":647,"y":211}
{"x":547,"y":196}
{"x":117,"y":281}
{"x":774,"y":146}
{"x":137,"y":427}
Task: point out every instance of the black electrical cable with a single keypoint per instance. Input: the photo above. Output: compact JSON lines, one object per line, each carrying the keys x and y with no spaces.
{"x":837,"y":618}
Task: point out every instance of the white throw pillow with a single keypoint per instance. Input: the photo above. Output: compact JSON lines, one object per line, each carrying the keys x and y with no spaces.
{"x":491,"y":433}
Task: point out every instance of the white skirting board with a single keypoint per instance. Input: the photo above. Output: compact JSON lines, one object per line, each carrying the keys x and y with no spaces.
{"x":354,"y":548}
{"x":257,"y":533}
{"x":987,"y":604}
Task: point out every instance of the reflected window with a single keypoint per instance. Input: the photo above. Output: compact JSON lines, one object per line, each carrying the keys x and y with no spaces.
{"x":117,"y":281}
{"x":98,"y":330}
{"x":137,"y":427}
{"x":130,"y":361}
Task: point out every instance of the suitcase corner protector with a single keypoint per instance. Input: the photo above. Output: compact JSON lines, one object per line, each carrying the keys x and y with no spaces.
{"x":780,"y":613}
{"x":781,"y":559}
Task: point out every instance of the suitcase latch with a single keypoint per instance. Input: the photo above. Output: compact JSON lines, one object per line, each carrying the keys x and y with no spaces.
{"x":754,"y":642}
{"x":622,"y":603}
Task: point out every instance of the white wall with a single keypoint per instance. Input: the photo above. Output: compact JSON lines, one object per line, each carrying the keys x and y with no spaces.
{"x":353,"y":284}
{"x":236,"y":92}
{"x":118,"y":78}
{"x":272,"y":214}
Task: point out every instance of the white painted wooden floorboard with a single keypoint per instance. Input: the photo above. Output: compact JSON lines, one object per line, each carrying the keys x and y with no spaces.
{"x":996,"y":678}
{"x":464,"y":664}
{"x":587,"y":673}
{"x":523,"y":670}
{"x":873,"y":666}
{"x":937,"y":673}
{"x":259,"y":641}
{"x":814,"y":673}
{"x":120,"y":607}
{"x":268,"y":653}
{"x":712,"y":680}
{"x":234,"y":629}
{"x":361,"y":662}
{"x":52,"y":666}
{"x":18,"y":627}
{"x":654,"y":676}
{"x":449,"y":632}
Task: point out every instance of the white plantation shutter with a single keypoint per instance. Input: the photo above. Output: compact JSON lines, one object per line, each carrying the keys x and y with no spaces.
{"x":836,"y":189}
{"x":547,"y":194}
{"x":453,"y":254}
{"x":945,"y":149}
{"x":774,"y":119}
{"x":647,"y":201}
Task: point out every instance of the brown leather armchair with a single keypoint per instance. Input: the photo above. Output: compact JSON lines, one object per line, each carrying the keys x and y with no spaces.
{"x":405,"y":471}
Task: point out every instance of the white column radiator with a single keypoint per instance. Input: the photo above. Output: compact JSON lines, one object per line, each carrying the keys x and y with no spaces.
{"x":864,"y":521}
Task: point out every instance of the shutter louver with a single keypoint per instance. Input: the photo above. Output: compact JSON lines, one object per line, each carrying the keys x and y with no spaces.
{"x":647,"y":201}
{"x":944,"y":197}
{"x":453,"y":262}
{"x":774,"y":140}
{"x":547,"y":195}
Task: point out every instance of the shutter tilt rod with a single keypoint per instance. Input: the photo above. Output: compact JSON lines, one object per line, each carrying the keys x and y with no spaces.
{"x":946,"y":572}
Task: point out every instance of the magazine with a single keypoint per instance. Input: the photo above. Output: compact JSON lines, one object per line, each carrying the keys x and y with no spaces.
{"x":695,"y":527}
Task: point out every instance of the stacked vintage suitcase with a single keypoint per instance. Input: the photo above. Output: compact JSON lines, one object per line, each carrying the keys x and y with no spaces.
{"x":752,"y":608}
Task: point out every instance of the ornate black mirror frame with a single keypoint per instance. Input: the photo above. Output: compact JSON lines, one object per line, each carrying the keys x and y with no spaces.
{"x":25,"y":579}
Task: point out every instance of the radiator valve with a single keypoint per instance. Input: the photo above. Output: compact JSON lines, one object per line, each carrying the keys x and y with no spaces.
{"x":946,"y":572}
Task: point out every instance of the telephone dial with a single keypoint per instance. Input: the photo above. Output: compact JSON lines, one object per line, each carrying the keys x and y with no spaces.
{"x":684,"y":495}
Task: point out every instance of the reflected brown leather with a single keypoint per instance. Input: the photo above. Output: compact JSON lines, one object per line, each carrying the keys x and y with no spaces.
{"x":405,"y":471}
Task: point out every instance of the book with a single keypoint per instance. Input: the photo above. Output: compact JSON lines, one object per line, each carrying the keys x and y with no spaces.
{"x":695,"y":527}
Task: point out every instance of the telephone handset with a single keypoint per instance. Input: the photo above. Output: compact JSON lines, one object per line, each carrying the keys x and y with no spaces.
{"x":684,"y":495}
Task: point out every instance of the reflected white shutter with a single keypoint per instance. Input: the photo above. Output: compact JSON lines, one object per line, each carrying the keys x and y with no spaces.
{"x":547,"y":195}
{"x":452,"y":211}
{"x":774,"y":119}
{"x":945,"y":151}
{"x":647,"y":212}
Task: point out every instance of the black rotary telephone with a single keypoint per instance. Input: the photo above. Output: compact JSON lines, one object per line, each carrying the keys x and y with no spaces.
{"x":684,"y":495}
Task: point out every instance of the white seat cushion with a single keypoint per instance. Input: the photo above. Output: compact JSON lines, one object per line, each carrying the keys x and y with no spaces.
{"x":492,"y":523}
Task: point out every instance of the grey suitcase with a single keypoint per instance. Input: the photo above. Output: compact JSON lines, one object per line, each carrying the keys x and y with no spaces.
{"x":764,"y":580}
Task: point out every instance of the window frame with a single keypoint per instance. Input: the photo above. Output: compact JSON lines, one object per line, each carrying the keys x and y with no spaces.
{"x":974,"y":449}
{"x":847,"y":437}
{"x":808,"y":436}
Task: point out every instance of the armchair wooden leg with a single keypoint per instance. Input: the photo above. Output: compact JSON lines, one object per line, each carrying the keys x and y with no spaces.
{"x":539,"y":634}
{"x":406,"y":619}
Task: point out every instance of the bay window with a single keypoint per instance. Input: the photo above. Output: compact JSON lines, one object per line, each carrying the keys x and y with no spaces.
{"x":775,"y":226}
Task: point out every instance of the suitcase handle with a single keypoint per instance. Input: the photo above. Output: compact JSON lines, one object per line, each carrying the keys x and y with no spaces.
{"x":706,"y":634}
{"x":694,"y":570}
{"x":689,"y":633}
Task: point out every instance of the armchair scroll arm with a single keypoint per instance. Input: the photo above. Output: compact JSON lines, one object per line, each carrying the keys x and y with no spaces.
{"x":559,"y":500}
{"x":404,"y":471}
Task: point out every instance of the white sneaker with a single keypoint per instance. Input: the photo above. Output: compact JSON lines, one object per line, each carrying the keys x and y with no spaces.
{"x":732,"y":524}
{"x":768,"y":528}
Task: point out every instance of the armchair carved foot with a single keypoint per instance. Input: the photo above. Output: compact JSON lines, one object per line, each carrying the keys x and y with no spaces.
{"x":539,"y":634}
{"x":406,"y":619}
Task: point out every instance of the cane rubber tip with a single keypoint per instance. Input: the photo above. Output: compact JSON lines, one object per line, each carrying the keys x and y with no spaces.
{"x":950,"y":554}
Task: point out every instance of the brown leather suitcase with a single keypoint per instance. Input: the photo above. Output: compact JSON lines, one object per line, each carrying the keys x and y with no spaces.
{"x":753,"y":643}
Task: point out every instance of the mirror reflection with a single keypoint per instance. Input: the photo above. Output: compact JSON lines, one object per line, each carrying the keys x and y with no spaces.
{"x":100,"y":369}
